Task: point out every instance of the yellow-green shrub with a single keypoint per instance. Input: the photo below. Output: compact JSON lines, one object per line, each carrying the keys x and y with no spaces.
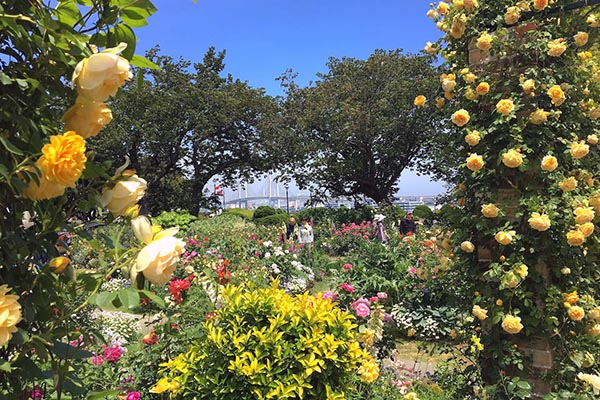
{"x":267,"y":344}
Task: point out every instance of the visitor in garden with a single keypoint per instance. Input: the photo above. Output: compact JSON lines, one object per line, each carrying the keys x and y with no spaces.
{"x":305,"y":233}
{"x":380,"y":234}
{"x":290,"y":229}
{"x":408,"y":225}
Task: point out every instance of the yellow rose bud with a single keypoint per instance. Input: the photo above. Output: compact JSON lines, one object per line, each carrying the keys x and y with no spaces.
{"x":123,"y":195}
{"x":461,"y":117}
{"x":420,"y":101}
{"x":557,"y":47}
{"x":592,"y":139}
{"x":581,"y":38}
{"x":99,"y":76}
{"x":568,"y":184}
{"x":484,"y":42}
{"x":572,"y":297}
{"x":479,"y":313}
{"x":472,"y":138}
{"x":59,"y":264}
{"x":539,"y":222}
{"x":512,"y":324}
{"x":584,"y":214}
{"x":490,"y":210}
{"x":475,"y":162}
{"x":512,"y":159}
{"x":575,"y":238}
{"x":576,"y":313}
{"x":505,"y":237}
{"x":483,"y":88}
{"x":87,"y":117}
{"x":499,"y":302}
{"x":439,"y":103}
{"x":467,"y":246}
{"x":505,"y":106}
{"x":538,"y":117}
{"x":528,"y":86}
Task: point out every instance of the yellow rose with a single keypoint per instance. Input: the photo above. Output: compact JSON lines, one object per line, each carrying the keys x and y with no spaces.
{"x":594,"y":314}
{"x":587,"y":229}
{"x":420,"y":101}
{"x":595,"y":113}
{"x":461,"y":117}
{"x":483,"y":88}
{"x":442,"y":8}
{"x":448,"y":95}
{"x":522,"y":270}
{"x":539,"y":222}
{"x":594,"y":201}
{"x":10,"y":314}
{"x":510,"y":280}
{"x":87,"y":117}
{"x":490,"y":210}
{"x":505,"y":237}
{"x":575,"y":238}
{"x":467,"y":246}
{"x":43,"y":190}
{"x":576,"y":313}
{"x":63,"y":159}
{"x":571,"y":298}
{"x":540,"y":4}
{"x":557,"y":95}
{"x":581,"y":38}
{"x":512,"y":15}
{"x":583,"y":215}
{"x":479,"y":313}
{"x":579,"y":150}
{"x":472,"y":138}
{"x":439,"y":103}
{"x":158,"y":259}
{"x":430,"y":48}
{"x":592,"y":22}
{"x":557,"y":47}
{"x":594,"y":330}
{"x":432,"y":14}
{"x":470,"y":5}
{"x":592,"y":139}
{"x":470,"y":94}
{"x":528,"y":86}
{"x":538,"y":117}
{"x":458,"y":4}
{"x":512,"y":159}
{"x":512,"y":324}
{"x":448,"y":85}
{"x":505,"y":106}
{"x":484,"y":42}
{"x":568,"y":184}
{"x":459,"y":24}
{"x":124,"y":195}
{"x":475,"y":162}
{"x":59,"y":264}
{"x":100,"y":76}
{"x":470,"y":77}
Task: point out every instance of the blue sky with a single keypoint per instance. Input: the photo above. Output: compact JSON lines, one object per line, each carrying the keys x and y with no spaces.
{"x":263,"y":38}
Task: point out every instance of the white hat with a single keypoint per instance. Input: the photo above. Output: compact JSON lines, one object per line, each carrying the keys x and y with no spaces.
{"x":378,"y":217}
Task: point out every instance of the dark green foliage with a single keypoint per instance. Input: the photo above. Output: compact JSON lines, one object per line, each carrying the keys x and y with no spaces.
{"x":423,"y":212}
{"x":264,"y":211}
{"x":241,"y":212}
{"x":180,"y":218}
{"x":274,"y":219}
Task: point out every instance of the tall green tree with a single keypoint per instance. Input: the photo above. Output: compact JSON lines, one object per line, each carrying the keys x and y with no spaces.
{"x":183,"y":125}
{"x":357,"y":128}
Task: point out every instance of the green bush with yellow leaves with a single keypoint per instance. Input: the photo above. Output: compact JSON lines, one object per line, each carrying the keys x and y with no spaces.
{"x":266,"y":344}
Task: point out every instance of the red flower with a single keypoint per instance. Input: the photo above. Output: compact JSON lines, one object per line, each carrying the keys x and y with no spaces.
{"x":150,"y":338}
{"x":177,"y":287}
{"x":223,"y":275}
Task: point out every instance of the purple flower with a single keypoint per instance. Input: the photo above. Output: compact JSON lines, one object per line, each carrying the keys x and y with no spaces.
{"x":134,"y":396}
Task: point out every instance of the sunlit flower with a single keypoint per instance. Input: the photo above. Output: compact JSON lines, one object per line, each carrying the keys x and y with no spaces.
{"x":592,"y":139}
{"x":448,"y":84}
{"x":472,"y":138}
{"x":579,"y":150}
{"x":568,"y":184}
{"x":475,"y":162}
{"x":512,"y":158}
{"x":442,"y":8}
{"x":87,"y":117}
{"x":585,"y":55}
{"x":63,"y":159}
{"x":483,"y":88}
{"x":587,"y":229}
{"x":512,"y":15}
{"x":539,"y":222}
{"x":557,"y":47}
{"x":10,"y":314}
{"x":505,"y":106}
{"x":59,"y":264}
{"x":581,"y":38}
{"x":522,"y":270}
{"x":420,"y":101}
{"x":484,"y":41}
{"x":467,"y":246}
{"x":512,"y":324}
{"x":490,"y":210}
{"x":123,"y":195}
{"x":459,"y":24}
{"x":593,"y":380}
{"x":528,"y":86}
{"x":439,"y":103}
{"x":479,"y":313}
{"x":430,"y":48}
{"x":461,"y":117}
{"x":43,"y":189}
{"x":538,"y":117}
{"x":592,"y":22}
{"x":470,"y":5}
{"x":576,"y":313}
{"x":583,"y":214}
{"x":505,"y":237}
{"x":540,"y":4}
{"x":572,"y":297}
{"x":470,"y":77}
{"x":594,"y":330}
{"x":557,"y":95}
{"x":575,"y":238}
{"x":369,"y":371}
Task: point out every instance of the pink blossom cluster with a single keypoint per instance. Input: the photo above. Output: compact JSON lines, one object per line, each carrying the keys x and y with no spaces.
{"x":362,"y":307}
{"x":112,"y":353}
{"x":347,"y":287}
{"x":363,"y":229}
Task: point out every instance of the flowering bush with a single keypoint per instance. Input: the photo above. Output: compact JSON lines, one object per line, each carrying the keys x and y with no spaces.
{"x":265,"y":343}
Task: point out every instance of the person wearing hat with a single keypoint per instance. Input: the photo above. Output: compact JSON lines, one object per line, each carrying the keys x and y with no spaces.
{"x":380,"y":234}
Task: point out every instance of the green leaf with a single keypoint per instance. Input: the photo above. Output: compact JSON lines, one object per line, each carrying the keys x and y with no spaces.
{"x":67,"y":12}
{"x":10,"y":147}
{"x":155,"y":299}
{"x":143,"y":62}
{"x":130,"y":298}
{"x":122,"y":33}
{"x":104,"y":300}
{"x":5,"y":79}
{"x":66,"y":351}
{"x":5,"y":366}
{"x":107,"y":394}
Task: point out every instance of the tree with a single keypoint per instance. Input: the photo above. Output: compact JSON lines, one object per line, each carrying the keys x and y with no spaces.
{"x":181,"y":128}
{"x":356,"y":129}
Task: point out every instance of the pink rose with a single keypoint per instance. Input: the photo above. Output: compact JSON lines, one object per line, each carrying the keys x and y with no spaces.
{"x":134,"y":396}
{"x":382,"y":295}
{"x":347,"y":287}
{"x":362,"y":310}
{"x":347,"y":266}
{"x":113,"y":353}
{"x":97,"y":360}
{"x":329,"y":295}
